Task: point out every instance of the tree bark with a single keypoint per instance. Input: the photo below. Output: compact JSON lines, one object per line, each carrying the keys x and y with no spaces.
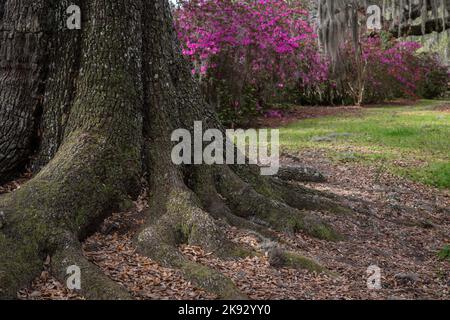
{"x":112,"y":95}
{"x":22,"y":69}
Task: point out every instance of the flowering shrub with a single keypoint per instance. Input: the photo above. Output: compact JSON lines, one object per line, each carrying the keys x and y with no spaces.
{"x":388,"y":70}
{"x":383,"y":69}
{"x":249,"y":55}
{"x":246,"y":53}
{"x":436,"y":77}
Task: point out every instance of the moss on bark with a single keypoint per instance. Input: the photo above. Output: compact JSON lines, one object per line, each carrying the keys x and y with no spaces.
{"x":132,"y":89}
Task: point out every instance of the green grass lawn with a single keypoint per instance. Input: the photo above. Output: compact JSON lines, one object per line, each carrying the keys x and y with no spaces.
{"x":412,"y":141}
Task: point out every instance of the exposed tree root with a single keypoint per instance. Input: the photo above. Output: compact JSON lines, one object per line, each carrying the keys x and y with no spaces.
{"x":307,"y":199}
{"x":69,"y":197}
{"x":280,"y":258}
{"x":189,"y":205}
{"x":21,"y":257}
{"x":97,"y":166}
{"x":192,"y":211}
{"x":175,"y":218}
{"x":120,"y":119}
{"x":300,"y":174}
{"x":95,"y":285}
{"x":179,"y":214}
{"x":292,"y":193}
{"x":212,"y":280}
{"x":204,"y":184}
{"x":268,"y":208}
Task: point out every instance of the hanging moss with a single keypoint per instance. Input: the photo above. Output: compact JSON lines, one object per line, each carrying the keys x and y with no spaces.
{"x":339,"y":20}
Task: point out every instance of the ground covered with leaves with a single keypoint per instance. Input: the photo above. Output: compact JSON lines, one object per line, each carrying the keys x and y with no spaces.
{"x":402,"y":228}
{"x":399,"y":225}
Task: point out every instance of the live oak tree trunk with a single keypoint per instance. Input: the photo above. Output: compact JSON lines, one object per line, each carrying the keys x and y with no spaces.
{"x":92,"y":112}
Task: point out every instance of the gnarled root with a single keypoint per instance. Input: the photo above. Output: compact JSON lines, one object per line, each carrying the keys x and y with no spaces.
{"x":83,"y":183}
{"x":191,"y":208}
{"x":175,"y":218}
{"x":19,"y":264}
{"x":268,"y":207}
{"x":300,"y":174}
{"x":279,"y":258}
{"x":95,"y":285}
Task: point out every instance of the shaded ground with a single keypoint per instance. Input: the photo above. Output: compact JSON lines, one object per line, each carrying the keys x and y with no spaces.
{"x":295,"y":114}
{"x":404,"y":227}
{"x":398,"y":225}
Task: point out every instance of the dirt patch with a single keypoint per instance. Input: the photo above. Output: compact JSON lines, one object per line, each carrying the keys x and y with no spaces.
{"x":395,"y":103}
{"x":443,"y":108}
{"x":398,"y":225}
{"x":301,"y":113}
{"x":285,"y":117}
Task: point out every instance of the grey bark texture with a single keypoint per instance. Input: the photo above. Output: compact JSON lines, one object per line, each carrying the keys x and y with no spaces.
{"x":95,"y":109}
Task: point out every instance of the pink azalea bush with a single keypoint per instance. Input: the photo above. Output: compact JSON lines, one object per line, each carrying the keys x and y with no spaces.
{"x":436,"y":77}
{"x":381,"y":69}
{"x":246,"y":53}
{"x":385,"y":70}
{"x":249,"y":55}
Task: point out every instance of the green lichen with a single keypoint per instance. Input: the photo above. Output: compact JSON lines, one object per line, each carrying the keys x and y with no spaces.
{"x":238,"y":251}
{"x":324,"y":232}
{"x":296,"y":261}
{"x":339,"y":210}
{"x":19,"y":264}
{"x":212,"y":281}
{"x":312,"y":226}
